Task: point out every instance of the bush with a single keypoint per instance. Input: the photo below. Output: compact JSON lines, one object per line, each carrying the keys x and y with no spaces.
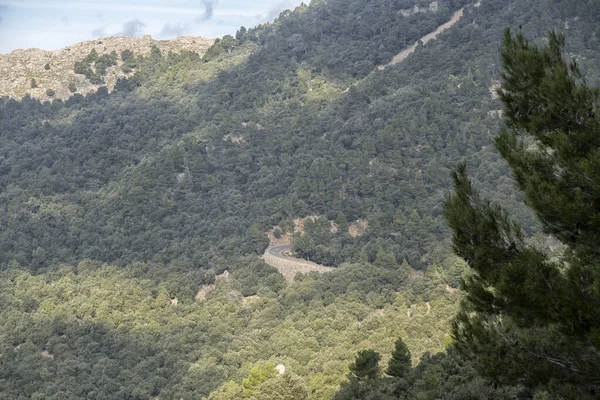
{"x":126,"y":55}
{"x":82,"y":68}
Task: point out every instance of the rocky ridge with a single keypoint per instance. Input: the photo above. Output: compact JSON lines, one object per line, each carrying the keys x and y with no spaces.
{"x":53,"y":70}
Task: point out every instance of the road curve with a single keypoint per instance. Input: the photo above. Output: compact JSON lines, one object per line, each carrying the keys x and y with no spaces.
{"x":277,"y":251}
{"x":290,"y":266}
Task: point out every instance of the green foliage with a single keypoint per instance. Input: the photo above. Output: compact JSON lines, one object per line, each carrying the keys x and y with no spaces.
{"x":364,"y":378}
{"x":385,"y":260}
{"x":132,"y":179}
{"x":91,"y":57}
{"x":33,"y":83}
{"x":325,"y":35}
{"x":366,"y":365}
{"x":441,"y":376}
{"x":94,"y":67}
{"x":400,"y":363}
{"x":127,"y":55}
{"x":526,"y":317}
{"x":116,"y":331}
{"x":50,"y":92}
{"x":257,"y":376}
{"x":263,"y":383}
{"x":221,"y":46}
{"x":314,"y":244}
{"x":285,"y":387}
{"x":239,"y":35}
{"x":83,"y":68}
{"x":174,"y":177}
{"x":129,"y":61}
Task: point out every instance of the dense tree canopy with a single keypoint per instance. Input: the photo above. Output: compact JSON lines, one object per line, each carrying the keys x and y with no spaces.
{"x":528,"y":317}
{"x":121,"y":212}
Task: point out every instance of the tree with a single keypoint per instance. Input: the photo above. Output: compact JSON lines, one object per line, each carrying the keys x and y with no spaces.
{"x":364,"y":380}
{"x":228,"y":43}
{"x":366,"y":365}
{"x":342,"y":223}
{"x":127,"y":55}
{"x":239,"y":35}
{"x":258,"y":374}
{"x":385,"y":260}
{"x":526,"y":317}
{"x":400,"y":363}
{"x":258,"y":240}
{"x":92,"y":56}
{"x":283,"y":387}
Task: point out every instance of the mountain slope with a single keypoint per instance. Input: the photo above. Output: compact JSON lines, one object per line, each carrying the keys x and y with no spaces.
{"x":33,"y":72}
{"x":174,"y":177}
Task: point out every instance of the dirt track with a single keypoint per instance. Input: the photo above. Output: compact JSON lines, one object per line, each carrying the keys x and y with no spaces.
{"x":430,"y":36}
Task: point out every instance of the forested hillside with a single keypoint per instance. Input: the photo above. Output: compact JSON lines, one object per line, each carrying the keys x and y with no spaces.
{"x":133,"y":221}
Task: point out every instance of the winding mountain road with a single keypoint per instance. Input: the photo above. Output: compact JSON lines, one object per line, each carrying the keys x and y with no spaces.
{"x":277,"y":251}
{"x":290,"y":266}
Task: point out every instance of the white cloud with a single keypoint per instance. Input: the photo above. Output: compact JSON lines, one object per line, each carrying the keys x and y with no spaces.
{"x":133,"y":28}
{"x":276,"y":9}
{"x":37,"y":23}
{"x":170,"y":30}
{"x":99,"y":32}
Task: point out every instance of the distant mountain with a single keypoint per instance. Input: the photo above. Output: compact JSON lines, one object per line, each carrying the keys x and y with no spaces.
{"x":36,"y":72}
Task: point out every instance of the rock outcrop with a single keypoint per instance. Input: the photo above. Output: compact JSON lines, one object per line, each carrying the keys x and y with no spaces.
{"x":47,"y":75}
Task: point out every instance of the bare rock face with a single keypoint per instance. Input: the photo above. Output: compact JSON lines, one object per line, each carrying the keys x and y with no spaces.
{"x":433,"y":7}
{"x":47,"y":75}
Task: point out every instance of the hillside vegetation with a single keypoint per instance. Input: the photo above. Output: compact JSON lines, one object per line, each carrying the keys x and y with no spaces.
{"x":47,"y":75}
{"x":118,"y":207}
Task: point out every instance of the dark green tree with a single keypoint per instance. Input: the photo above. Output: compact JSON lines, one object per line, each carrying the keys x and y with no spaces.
{"x":366,"y":365}
{"x":400,"y":363}
{"x":385,"y":260}
{"x":365,"y":380}
{"x":527,"y":317}
{"x":92,"y":57}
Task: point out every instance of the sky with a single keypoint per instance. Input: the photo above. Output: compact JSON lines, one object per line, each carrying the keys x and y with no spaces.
{"x":54,"y":24}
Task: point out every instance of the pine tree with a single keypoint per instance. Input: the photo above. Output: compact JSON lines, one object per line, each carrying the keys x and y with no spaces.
{"x":366,"y":365}
{"x":400,"y":363}
{"x":526,"y":318}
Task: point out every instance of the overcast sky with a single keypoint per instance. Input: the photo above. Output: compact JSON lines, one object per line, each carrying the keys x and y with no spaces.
{"x":53,"y":24}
